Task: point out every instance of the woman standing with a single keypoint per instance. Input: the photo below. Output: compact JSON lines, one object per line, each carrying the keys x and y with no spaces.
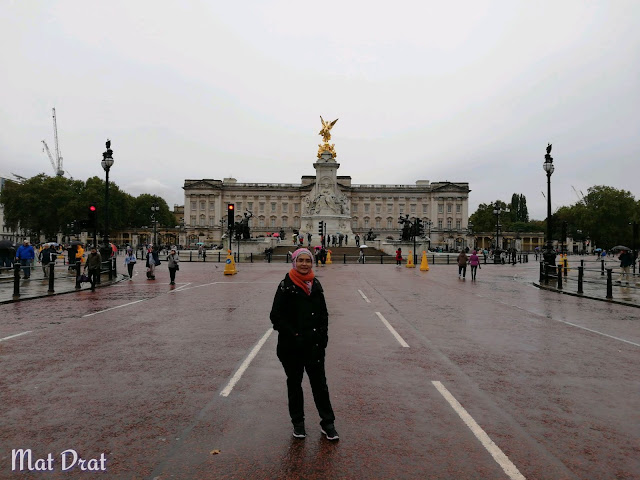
{"x":398,"y":257}
{"x":172,"y":262}
{"x":130,"y":261}
{"x":462,"y":265}
{"x":300,"y":316}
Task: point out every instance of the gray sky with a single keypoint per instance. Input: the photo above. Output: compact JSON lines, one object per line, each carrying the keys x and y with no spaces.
{"x":459,"y":91}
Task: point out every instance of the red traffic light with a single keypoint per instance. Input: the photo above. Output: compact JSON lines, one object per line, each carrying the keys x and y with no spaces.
{"x":92,"y":208}
{"x":230,"y":206}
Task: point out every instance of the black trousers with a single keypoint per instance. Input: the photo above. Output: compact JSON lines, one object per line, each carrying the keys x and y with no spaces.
{"x":172,"y":274}
{"x":93,"y":276}
{"x":474,"y":270}
{"x":462,"y":270}
{"x":130,"y":268}
{"x":294,"y":367}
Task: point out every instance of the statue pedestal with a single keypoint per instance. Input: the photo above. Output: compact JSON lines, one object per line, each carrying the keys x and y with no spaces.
{"x":334,"y":224}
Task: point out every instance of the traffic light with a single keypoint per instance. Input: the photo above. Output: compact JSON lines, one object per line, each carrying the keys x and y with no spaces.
{"x":91,"y":218}
{"x":419,"y":227}
{"x":321,"y":228}
{"x":230,"y":216}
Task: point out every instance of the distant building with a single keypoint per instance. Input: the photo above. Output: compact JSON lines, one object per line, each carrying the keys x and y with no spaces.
{"x":345,"y":207}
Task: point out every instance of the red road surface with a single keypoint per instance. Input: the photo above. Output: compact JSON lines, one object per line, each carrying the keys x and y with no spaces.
{"x":551,"y":379}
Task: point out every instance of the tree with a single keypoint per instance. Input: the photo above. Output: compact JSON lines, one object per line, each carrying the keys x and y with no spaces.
{"x":518,"y":211}
{"x":484,"y":220}
{"x":141,"y":216}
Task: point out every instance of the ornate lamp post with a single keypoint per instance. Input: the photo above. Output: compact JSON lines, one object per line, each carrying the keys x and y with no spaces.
{"x":549,"y":255}
{"x":496,"y":252}
{"x":107,"y":163}
{"x":154,"y":210}
{"x":429,"y":223}
{"x":470,"y":233}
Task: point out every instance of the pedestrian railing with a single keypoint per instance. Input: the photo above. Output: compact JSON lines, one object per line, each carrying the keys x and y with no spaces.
{"x":597,"y":274}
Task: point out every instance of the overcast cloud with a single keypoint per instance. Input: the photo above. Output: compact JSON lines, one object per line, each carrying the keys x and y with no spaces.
{"x":459,"y":91}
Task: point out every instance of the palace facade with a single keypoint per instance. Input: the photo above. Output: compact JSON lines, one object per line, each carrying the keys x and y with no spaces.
{"x":443,"y":206}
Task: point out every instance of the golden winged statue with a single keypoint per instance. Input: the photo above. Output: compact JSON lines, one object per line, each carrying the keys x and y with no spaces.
{"x":326,"y":129}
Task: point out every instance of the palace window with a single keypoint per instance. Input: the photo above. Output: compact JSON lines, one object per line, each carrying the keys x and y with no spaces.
{"x":261,"y":222}
{"x":413,"y":208}
{"x":250,"y":206}
{"x":458,"y":225}
{"x":193,"y":205}
{"x":203,"y":220}
{"x":285,"y":208}
{"x":273,"y":207}
{"x":212,"y":221}
{"x":296,"y":207}
{"x":377,"y":223}
{"x":378,"y":208}
{"x":202,"y":205}
{"x":448,"y":208}
{"x":458,"y":208}
{"x":425,"y":208}
{"x":366,"y":223}
{"x":390,"y":208}
{"x":440,"y":223}
{"x":449,"y":223}
{"x":440,"y":208}
{"x":389,"y":223}
{"x":354,"y":207}
{"x":366,"y":208}
{"x":285,"y":222}
{"x":401,"y":209}
{"x":273,"y":222}
{"x":193,"y":220}
{"x":262,"y":207}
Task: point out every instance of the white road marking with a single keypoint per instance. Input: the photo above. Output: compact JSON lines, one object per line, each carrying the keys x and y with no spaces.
{"x":599,"y":333}
{"x":393,"y":331}
{"x":245,"y":364}
{"x":112,"y":308}
{"x":14,"y":336}
{"x":364,"y":296}
{"x":497,"y":454}
{"x":181,"y":287}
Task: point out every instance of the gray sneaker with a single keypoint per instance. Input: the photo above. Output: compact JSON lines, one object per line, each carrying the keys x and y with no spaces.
{"x":330,"y":432}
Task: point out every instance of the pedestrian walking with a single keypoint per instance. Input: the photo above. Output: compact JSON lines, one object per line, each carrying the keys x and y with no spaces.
{"x":357,"y":240}
{"x":462,"y":265}
{"x":361,"y":258}
{"x":79,"y":254}
{"x":25,"y":255}
{"x":130,"y":261}
{"x":48,"y":256}
{"x":173,"y":263}
{"x":474,"y":262}
{"x":93,"y":264}
{"x":299,"y":314}
{"x":399,"y":257}
{"x":153,"y":260}
{"x":346,"y":239}
{"x":626,"y":260}
{"x":308,"y":239}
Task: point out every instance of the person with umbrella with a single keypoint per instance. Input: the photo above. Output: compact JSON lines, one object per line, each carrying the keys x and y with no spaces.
{"x":48,"y":256}
{"x":626,"y":260}
{"x":25,"y":256}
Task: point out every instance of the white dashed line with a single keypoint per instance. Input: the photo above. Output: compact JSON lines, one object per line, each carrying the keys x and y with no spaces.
{"x":364,"y":296}
{"x":112,"y":308}
{"x":245,"y":365}
{"x":498,"y":455}
{"x":14,"y":336}
{"x":393,"y":331}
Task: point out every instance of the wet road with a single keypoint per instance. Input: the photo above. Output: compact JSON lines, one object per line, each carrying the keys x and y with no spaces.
{"x":430,"y":377}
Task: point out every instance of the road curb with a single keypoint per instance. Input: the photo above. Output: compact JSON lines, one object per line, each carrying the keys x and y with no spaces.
{"x":607,"y":300}
{"x":45,"y":295}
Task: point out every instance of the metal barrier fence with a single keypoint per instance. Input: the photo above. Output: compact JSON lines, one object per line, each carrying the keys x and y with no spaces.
{"x":590,"y":274}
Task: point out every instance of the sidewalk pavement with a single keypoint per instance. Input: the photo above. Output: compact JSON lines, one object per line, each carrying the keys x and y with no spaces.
{"x":594,"y":286}
{"x":38,"y":286}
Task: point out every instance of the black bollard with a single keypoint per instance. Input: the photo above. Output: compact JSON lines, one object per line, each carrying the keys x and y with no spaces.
{"x":191,"y":256}
{"x":287,"y":259}
{"x":110,"y":269}
{"x":16,"y":280}
{"x":602,"y":267}
{"x":381,"y":260}
{"x":251,"y":256}
{"x":51,"y":270}
{"x":541,"y":271}
{"x":344,"y":260}
{"x":269,"y":257}
{"x":609,"y":284}
{"x":447,"y":259}
{"x":77,"y":275}
{"x":580,"y":277}
{"x":560,"y":277}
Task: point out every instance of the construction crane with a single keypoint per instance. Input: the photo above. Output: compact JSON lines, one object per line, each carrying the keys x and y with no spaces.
{"x":57,"y":163}
{"x":580,"y":197}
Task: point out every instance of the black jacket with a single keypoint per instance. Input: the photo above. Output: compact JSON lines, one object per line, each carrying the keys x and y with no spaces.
{"x":300,"y":319}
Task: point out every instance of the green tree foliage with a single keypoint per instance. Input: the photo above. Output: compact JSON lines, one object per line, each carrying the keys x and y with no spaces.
{"x":485,"y":221}
{"x":49,"y":205}
{"x":141,"y":214}
{"x":603,"y":215}
{"x":518,"y":211}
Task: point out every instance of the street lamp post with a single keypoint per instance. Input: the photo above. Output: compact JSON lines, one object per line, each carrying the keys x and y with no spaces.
{"x":549,"y":255}
{"x":470,"y":234}
{"x":154,"y":210}
{"x":107,"y":163}
{"x":496,"y":252}
{"x":429,"y":223}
